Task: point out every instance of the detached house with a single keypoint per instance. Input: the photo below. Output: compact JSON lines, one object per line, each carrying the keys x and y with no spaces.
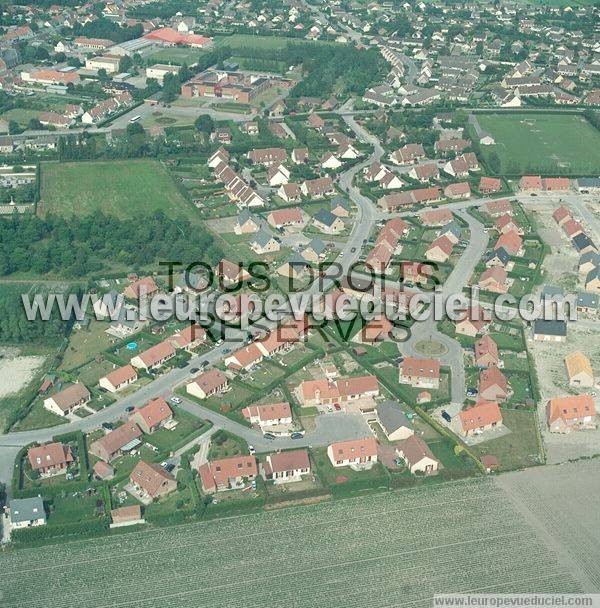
{"x":152,"y":481}
{"x":152,"y":416}
{"x":493,"y":385}
{"x":270,"y":414}
{"x":417,"y":456}
{"x":327,"y":222}
{"x":123,"y":439}
{"x":420,"y":373}
{"x":118,"y":379}
{"x":207,"y":384}
{"x":357,"y":453}
{"x":156,"y":356}
{"x":579,"y":370}
{"x":480,"y":418}
{"x":64,"y":402}
{"x":318,"y":188}
{"x":286,"y":467}
{"x":227,"y":473}
{"x":571,"y":413}
{"x":50,"y":459}
{"x":486,"y":352}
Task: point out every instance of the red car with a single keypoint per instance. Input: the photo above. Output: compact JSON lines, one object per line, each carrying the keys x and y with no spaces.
{"x":337,"y":406}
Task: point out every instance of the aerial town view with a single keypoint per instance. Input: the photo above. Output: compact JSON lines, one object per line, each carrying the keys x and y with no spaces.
{"x":298,"y":303}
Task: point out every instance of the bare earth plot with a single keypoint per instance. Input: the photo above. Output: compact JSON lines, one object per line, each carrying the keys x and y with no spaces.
{"x":379,"y":551}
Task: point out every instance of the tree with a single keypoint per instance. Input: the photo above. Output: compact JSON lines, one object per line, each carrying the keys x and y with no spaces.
{"x":102,"y":75}
{"x":171,"y":88}
{"x":125,"y":63}
{"x":14,"y":128}
{"x":204,"y":124}
{"x":34,"y":124}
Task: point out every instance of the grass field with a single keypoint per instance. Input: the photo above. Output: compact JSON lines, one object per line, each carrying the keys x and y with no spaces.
{"x":557,"y":144}
{"x":177,"y":56}
{"x":374,"y":551}
{"x":247,"y":41}
{"x":130,"y":188}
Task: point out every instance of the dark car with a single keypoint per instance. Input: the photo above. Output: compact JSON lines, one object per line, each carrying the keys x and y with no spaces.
{"x":129,"y":408}
{"x":296,"y":435}
{"x":107,"y":425}
{"x":204,"y":363}
{"x":446,"y":416}
{"x":194,"y":370}
{"x":353,"y":250}
{"x":169,"y":467}
{"x":269,"y":436}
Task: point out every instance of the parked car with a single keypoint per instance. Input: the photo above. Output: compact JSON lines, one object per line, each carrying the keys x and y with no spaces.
{"x":129,"y":408}
{"x":194,"y":370}
{"x":176,"y":400}
{"x":252,"y":449}
{"x":269,"y":436}
{"x":337,"y":406}
{"x":446,"y":416}
{"x":296,"y":435}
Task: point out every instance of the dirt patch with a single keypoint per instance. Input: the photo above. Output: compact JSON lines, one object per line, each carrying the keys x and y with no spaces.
{"x":430,"y":348}
{"x":16,"y":372}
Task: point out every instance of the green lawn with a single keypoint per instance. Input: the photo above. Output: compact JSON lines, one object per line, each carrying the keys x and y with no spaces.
{"x":130,"y":188}
{"x":188,"y":427}
{"x":248,"y":41}
{"x":557,"y":144}
{"x":177,"y":56}
{"x":518,"y":449}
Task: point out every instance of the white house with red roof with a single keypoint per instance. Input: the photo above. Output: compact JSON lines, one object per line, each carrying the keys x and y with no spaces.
{"x":358,"y":454}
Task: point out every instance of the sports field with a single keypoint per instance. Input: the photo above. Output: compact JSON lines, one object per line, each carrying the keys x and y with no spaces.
{"x":557,"y":144}
{"x":375,"y":551}
{"x":130,"y":188}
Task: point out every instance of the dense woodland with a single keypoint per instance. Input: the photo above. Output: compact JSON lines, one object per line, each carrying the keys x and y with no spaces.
{"x":16,"y":329}
{"x":74,"y":247}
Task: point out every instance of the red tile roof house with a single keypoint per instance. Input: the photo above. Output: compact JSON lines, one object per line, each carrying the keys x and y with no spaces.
{"x":494,"y":279}
{"x":286,"y":467}
{"x":66,"y":401}
{"x":461,"y":190}
{"x":562,"y":215}
{"x":408,"y":154}
{"x":572,"y":228}
{"x":114,"y":443}
{"x":498,"y":207}
{"x":269,"y":414}
{"x":281,"y":218}
{"x":151,"y":481}
{"x":471,"y":323}
{"x":50,"y":459}
{"x":530,"y":183}
{"x":417,"y":456}
{"x":440,"y":249}
{"x":189,"y":337}
{"x":420,"y":373}
{"x":152,"y":416}
{"x":230,"y":272}
{"x":154,"y":357}
{"x":274,"y":343}
{"x":505,"y":223}
{"x":556,"y":184}
{"x":493,"y":385}
{"x":227,"y":473}
{"x":391,"y":202}
{"x":317,"y":392}
{"x":571,"y":413}
{"x":207,"y":384}
{"x":317,"y":188}
{"x":118,"y":379}
{"x":145,"y":285}
{"x":489,"y":185}
{"x":358,"y":454}
{"x":268,"y":156}
{"x":486,"y":352}
{"x":480,"y":418}
{"x":103,"y":471}
{"x":424,"y":173}
{"x":511,"y":241}
{"x":436,"y":217}
{"x":244,"y":358}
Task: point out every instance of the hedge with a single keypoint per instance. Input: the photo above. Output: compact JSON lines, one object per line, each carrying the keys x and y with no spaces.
{"x":42,"y":535}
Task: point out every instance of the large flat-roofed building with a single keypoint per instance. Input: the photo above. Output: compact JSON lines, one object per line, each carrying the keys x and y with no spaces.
{"x":240,"y":87}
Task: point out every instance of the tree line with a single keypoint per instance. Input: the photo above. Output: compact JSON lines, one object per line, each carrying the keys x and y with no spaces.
{"x":79,"y":245}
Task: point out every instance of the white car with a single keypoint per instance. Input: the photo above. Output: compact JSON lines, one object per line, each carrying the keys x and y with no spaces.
{"x":252,"y":450}
{"x":176,"y":400}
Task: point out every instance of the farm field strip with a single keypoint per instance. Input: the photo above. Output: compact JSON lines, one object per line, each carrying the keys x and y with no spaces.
{"x":438,"y":538}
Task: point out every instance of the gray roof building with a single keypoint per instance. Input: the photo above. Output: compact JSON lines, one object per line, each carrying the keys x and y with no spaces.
{"x":24,"y":510}
{"x":392,"y":418}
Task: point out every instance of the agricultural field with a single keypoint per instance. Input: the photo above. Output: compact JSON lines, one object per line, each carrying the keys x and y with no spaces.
{"x":556,"y":144}
{"x":125,"y":189}
{"x":405,"y":544}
